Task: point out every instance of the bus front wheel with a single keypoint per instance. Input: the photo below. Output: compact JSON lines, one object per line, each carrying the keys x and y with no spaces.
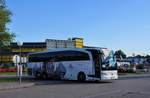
{"x":81,"y":76}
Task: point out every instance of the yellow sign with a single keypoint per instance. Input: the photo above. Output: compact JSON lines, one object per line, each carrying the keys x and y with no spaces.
{"x":28,"y":50}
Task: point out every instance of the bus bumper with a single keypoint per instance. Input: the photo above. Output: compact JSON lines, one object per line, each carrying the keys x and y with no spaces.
{"x":109,"y":75}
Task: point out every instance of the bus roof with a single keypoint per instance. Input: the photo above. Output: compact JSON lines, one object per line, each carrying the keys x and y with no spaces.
{"x":65,"y":49}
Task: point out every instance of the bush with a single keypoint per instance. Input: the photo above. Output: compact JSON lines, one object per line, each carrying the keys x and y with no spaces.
{"x":5,"y":65}
{"x":140,"y":66}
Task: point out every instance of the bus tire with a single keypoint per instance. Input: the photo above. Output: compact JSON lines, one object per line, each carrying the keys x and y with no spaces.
{"x":81,"y":76}
{"x":37,"y":75}
{"x":44,"y":76}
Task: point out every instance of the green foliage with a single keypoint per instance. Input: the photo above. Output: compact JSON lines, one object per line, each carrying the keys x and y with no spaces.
{"x":5,"y":36}
{"x":147,"y":56}
{"x":140,"y":66}
{"x":69,"y":39}
{"x":5,"y":65}
{"x":120,"y":54}
{"x":139,"y":56}
{"x":148,"y":60}
{"x":11,"y":73}
{"x":131,"y":67}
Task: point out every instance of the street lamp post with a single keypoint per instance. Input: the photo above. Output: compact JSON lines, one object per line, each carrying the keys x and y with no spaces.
{"x":20,"y":43}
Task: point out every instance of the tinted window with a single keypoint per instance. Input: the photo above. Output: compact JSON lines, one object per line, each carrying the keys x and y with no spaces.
{"x":72,"y":56}
{"x":42,"y":57}
{"x":59,"y":56}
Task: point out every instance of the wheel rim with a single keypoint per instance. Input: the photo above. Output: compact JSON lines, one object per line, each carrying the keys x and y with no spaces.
{"x":81,"y":77}
{"x":44,"y":76}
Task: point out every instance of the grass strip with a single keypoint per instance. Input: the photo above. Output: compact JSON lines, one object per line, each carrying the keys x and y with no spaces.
{"x":16,"y":80}
{"x":11,"y":73}
{"x":126,"y":73}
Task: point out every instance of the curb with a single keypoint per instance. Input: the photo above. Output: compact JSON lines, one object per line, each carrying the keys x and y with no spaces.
{"x":17,"y":86}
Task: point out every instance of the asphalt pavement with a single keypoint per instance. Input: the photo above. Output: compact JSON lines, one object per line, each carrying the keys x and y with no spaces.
{"x":122,"y":88}
{"x":15,"y":85}
{"x":129,"y":88}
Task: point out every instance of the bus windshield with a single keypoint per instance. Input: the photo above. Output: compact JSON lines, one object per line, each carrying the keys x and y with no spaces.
{"x":109,"y":62}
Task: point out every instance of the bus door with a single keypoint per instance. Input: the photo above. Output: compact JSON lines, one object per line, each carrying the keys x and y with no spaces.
{"x":96,"y":62}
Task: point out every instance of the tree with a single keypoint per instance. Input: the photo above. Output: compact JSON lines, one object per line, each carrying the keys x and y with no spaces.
{"x":69,"y":39}
{"x":148,"y":60}
{"x":5,"y":36}
{"x":147,"y":56}
{"x":120,"y":54}
{"x":138,"y":56}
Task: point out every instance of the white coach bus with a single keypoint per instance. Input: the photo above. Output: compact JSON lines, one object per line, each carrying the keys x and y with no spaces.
{"x":73,"y":64}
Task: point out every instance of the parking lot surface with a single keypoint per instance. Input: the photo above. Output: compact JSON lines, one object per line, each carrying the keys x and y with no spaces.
{"x":126,"y":88}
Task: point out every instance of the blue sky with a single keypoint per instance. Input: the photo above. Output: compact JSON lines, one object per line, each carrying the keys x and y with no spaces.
{"x":114,"y":24}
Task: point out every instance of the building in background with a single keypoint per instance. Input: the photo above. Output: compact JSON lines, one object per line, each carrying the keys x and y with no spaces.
{"x":94,"y":47}
{"x":6,"y":55}
{"x":53,"y":43}
{"x":78,"y":42}
{"x":27,"y":47}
